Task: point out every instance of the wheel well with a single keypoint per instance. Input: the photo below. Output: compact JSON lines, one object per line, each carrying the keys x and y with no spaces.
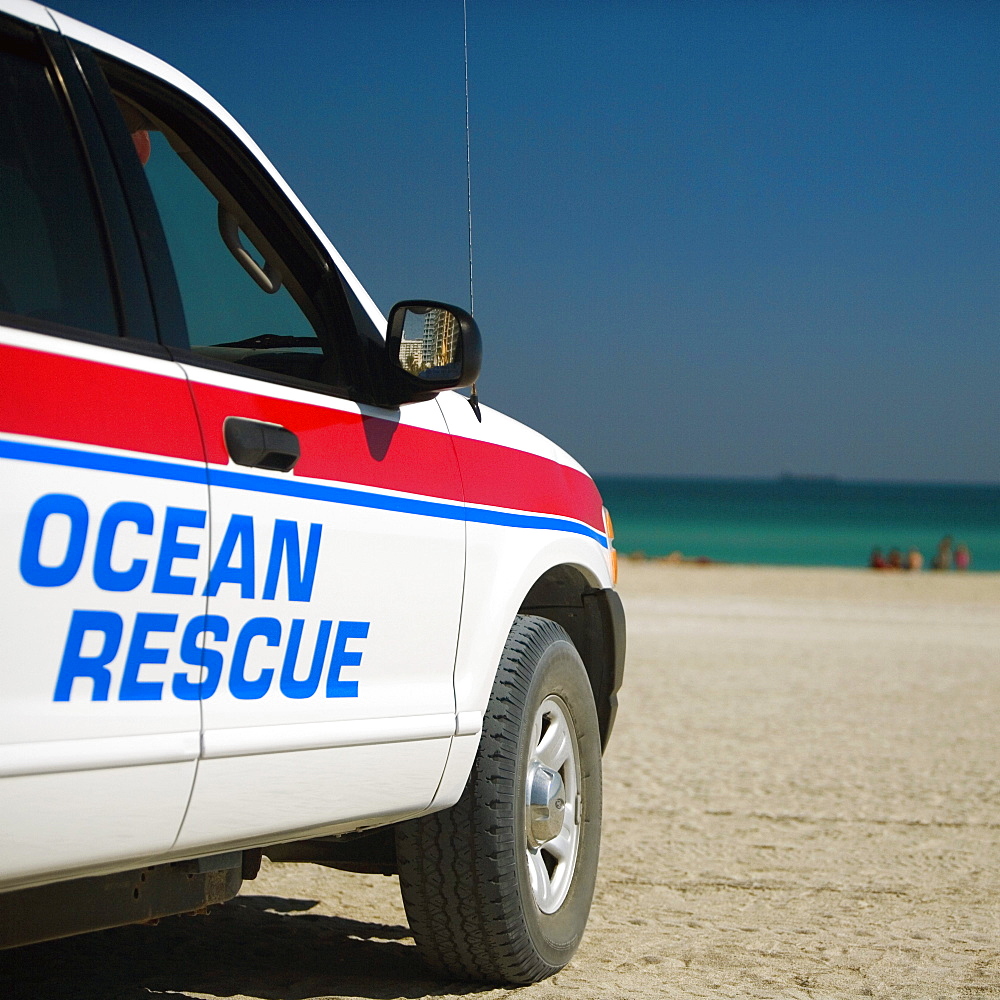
{"x":594,"y":620}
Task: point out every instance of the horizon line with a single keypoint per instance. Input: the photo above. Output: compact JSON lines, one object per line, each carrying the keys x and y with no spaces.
{"x":797,"y":478}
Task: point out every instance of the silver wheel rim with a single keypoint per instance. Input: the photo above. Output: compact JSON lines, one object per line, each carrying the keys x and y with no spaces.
{"x":552,"y":805}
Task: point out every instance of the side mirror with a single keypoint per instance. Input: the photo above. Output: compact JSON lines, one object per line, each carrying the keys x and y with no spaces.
{"x":433,"y":347}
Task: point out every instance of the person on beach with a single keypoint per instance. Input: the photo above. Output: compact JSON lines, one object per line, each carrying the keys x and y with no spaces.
{"x":942,"y":558}
{"x":915,"y":559}
{"x":895,"y":559}
{"x":876,"y":560}
{"x":963,"y":557}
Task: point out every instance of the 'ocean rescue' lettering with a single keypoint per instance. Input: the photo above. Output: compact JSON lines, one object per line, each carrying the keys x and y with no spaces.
{"x":108,"y":656}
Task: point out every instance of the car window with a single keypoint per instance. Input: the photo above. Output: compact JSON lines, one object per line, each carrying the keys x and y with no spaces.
{"x":52,"y":258}
{"x":242,"y":302}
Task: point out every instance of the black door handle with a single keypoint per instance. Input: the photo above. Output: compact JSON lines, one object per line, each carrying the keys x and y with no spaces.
{"x":260,"y":445}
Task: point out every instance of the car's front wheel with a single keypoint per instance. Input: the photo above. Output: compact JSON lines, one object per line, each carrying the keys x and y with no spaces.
{"x":498,"y":888}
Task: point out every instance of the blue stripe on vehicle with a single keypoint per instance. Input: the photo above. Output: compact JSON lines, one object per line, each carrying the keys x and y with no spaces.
{"x":152,"y":468}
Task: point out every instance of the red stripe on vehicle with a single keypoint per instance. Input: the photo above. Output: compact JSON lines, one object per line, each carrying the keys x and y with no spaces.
{"x":371,"y":451}
{"x":339,"y":444}
{"x":496,"y":476}
{"x":90,"y":402}
{"x":69,"y":399}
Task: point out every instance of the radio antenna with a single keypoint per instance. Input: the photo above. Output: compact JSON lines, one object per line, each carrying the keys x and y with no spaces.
{"x":474,"y":395}
{"x":468,"y":146}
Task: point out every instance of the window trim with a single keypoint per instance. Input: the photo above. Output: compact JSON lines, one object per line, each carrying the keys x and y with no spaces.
{"x":249,"y":184}
{"x":47,"y":50}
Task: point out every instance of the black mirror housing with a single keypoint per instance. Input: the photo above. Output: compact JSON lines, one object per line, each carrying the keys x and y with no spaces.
{"x":431,"y":347}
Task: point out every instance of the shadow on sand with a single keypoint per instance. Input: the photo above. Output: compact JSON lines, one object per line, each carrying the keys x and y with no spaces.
{"x":258,"y":946}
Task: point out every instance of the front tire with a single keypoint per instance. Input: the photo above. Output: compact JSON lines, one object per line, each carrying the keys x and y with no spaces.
{"x":498,"y":887}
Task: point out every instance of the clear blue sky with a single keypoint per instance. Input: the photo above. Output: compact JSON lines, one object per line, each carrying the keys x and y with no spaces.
{"x":710,"y":238}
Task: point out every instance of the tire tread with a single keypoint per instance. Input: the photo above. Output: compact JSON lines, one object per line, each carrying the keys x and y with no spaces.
{"x":457,"y":867}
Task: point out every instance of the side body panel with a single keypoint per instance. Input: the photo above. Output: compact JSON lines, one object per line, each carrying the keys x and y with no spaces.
{"x":508,"y":468}
{"x":335,"y":594}
{"x":97,"y":447}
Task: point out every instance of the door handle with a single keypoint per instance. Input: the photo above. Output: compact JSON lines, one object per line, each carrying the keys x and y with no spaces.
{"x":260,"y":445}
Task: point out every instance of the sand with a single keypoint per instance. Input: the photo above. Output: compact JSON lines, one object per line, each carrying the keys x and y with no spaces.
{"x":802,"y":800}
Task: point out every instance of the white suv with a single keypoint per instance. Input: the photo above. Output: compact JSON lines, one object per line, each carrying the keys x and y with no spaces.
{"x":259,"y":564}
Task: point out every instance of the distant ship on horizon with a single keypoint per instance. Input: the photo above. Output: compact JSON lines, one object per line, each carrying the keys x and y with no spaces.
{"x":806,"y":477}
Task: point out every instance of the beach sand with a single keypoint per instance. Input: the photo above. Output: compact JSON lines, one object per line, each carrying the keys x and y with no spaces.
{"x":802,"y":801}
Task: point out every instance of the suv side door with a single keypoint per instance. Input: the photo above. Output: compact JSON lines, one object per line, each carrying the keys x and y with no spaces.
{"x":335,"y":580}
{"x":103,"y":477}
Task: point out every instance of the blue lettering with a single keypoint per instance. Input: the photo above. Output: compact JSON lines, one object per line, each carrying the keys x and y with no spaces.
{"x":106,"y":629}
{"x":200,"y":656}
{"x":286,"y":542}
{"x":240,"y":529}
{"x":270,"y":630}
{"x":31,"y":566}
{"x":164,"y":582}
{"x":74,"y":664}
{"x":291,"y":687}
{"x":341,"y":657}
{"x":120,"y":513}
{"x":133,"y":689}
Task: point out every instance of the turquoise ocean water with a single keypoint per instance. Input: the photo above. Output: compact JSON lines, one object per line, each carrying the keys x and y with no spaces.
{"x":790,"y":521}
